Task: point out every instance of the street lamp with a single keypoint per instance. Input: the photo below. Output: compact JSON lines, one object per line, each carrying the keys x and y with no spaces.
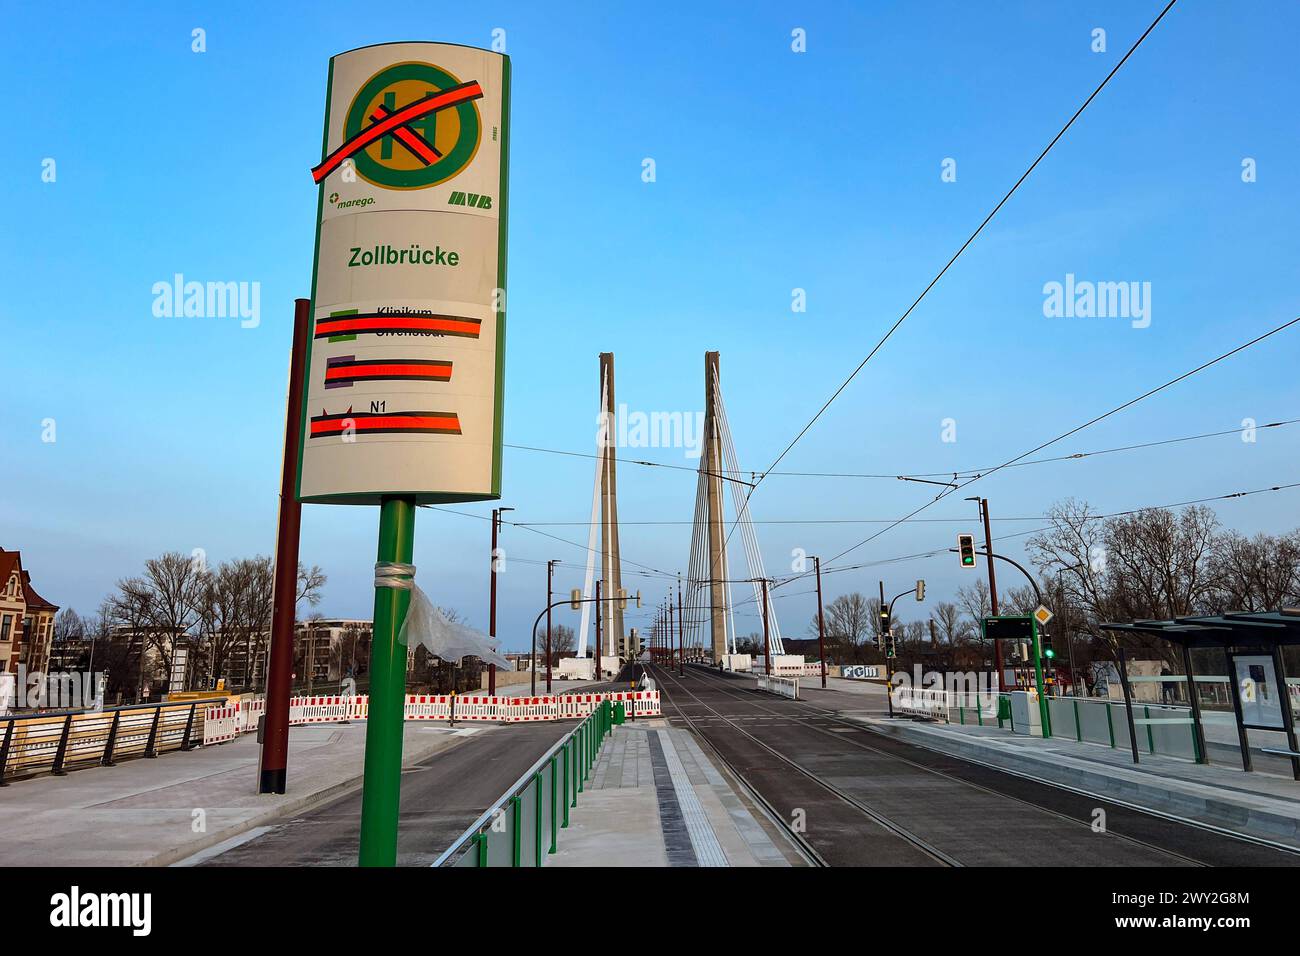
{"x":983,"y":504}
{"x":887,"y":616}
{"x":821,"y":624}
{"x":550,"y":570}
{"x":492,"y":599}
{"x":1069,"y":637}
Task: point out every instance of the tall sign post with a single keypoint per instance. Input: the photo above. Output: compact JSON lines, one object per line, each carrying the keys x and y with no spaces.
{"x":404,"y":366}
{"x":273,"y":762}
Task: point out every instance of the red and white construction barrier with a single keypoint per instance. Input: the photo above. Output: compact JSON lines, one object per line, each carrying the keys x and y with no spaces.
{"x":221,"y":724}
{"x":228,"y":722}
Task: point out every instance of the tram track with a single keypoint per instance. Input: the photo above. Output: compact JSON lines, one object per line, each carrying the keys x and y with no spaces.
{"x":791,"y":728}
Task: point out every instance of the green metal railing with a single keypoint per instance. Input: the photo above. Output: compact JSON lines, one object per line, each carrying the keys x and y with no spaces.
{"x":524,"y":825}
{"x":1164,"y":729}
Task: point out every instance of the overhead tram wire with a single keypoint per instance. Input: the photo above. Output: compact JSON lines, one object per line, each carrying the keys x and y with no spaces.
{"x":1020,"y":534}
{"x":1075,"y":430}
{"x":956,"y":473}
{"x":647,"y":572}
{"x":963,"y":473}
{"x":987,"y":219}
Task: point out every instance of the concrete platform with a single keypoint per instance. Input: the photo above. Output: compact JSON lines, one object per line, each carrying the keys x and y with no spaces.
{"x":1258,"y":804}
{"x":655,"y":799}
{"x":157,"y":812}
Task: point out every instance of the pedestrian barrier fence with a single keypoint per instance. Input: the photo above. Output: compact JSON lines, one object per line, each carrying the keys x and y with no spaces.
{"x":57,"y":742}
{"x":922,"y":702}
{"x":523,"y":826}
{"x":1165,"y":729}
{"x":785,"y":686}
{"x":467,"y":707}
{"x":815,"y":670}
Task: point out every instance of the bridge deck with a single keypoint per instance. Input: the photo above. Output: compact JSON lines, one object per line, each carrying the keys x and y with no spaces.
{"x":867,"y":799}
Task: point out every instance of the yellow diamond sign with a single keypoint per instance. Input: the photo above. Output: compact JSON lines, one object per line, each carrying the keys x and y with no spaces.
{"x":1042,"y":615}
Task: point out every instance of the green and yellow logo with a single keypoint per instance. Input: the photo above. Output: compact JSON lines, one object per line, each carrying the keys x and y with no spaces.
{"x":429,"y":149}
{"x":475,"y":200}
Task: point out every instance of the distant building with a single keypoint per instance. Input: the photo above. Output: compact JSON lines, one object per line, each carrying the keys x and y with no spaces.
{"x":26,"y":618}
{"x":325,"y":651}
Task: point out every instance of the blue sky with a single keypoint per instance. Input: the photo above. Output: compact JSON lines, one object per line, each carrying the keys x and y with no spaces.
{"x":775,"y":171}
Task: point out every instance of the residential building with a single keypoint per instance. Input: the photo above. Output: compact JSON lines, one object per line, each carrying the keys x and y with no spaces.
{"x":26,"y":618}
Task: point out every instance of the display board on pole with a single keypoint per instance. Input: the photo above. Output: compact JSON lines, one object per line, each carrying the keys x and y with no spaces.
{"x":404,"y":368}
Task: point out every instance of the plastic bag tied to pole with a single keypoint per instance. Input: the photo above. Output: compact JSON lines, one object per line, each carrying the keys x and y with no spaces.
{"x":426,"y":625}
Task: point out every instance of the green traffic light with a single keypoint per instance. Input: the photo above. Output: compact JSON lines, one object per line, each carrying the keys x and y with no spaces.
{"x":1049,"y":652}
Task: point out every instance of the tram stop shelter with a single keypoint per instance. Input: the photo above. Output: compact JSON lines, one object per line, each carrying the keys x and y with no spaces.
{"x":1252,"y":643}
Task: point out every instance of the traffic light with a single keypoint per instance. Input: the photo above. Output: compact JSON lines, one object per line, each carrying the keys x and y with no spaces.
{"x":890,"y":650}
{"x":622,"y":599}
{"x":575,"y":599}
{"x":920,"y":590}
{"x":1046,"y":642}
{"x":966,"y":548}
{"x":884,"y":619}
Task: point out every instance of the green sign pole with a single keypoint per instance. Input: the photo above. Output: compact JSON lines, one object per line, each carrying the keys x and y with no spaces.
{"x":381,"y":787}
{"x":1038,"y":679}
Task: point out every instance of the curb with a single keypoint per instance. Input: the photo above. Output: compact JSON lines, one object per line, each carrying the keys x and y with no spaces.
{"x":1210,"y":806}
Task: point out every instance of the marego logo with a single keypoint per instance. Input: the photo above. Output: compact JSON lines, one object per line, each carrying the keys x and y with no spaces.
{"x":348,"y":203}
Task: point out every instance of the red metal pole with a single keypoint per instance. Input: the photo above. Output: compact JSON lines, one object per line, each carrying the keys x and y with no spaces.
{"x":274,"y":769}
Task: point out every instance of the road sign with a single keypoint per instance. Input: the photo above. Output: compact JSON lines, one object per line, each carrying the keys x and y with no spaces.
{"x":1014,"y":628}
{"x":1042,"y":615}
{"x":404,"y":363}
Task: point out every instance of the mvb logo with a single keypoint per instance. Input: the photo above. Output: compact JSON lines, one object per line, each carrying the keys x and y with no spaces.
{"x":476,"y":200}
{"x":76,"y":909}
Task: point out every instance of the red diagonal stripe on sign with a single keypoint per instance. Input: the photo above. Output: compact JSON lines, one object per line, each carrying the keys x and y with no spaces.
{"x":444,"y":100}
{"x":423,"y":150}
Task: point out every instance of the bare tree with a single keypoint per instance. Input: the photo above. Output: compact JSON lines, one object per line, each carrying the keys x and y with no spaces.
{"x":562,"y":641}
{"x":165,"y":602}
{"x":69,"y":626}
{"x":974,"y":601}
{"x":850,"y":620}
{"x":310,"y":582}
{"x":1254,"y":574}
{"x":223,"y":611}
{"x":948,"y":620}
{"x":258,"y":590}
{"x":1021,"y":599}
{"x":1156,"y":561}
{"x":1152,"y":563}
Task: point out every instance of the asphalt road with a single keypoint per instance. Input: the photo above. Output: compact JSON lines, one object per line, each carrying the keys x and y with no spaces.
{"x":865,"y":799}
{"x":441,"y":796}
